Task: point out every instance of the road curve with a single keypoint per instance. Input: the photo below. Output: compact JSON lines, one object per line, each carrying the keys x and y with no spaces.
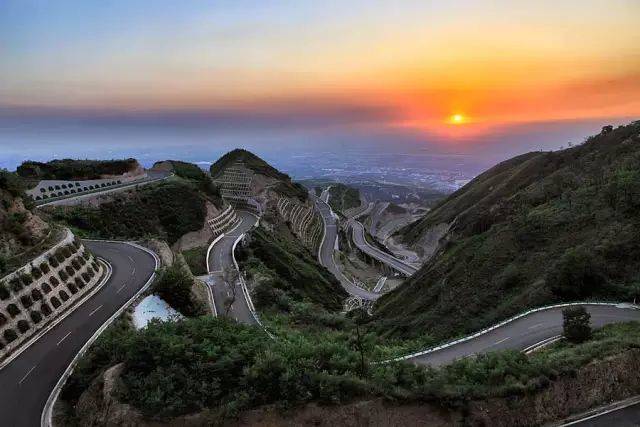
{"x":29,"y":379}
{"x":220,"y":257}
{"x":524,"y":332}
{"x":361,"y":242}
{"x":325,"y":254}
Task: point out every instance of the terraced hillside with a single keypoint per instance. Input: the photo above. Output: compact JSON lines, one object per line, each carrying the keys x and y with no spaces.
{"x":540,"y":228}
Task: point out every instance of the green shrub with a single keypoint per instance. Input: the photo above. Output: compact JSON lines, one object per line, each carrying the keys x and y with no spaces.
{"x":26,"y":279}
{"x":35,"y":271}
{"x":79,"y":283}
{"x":45,"y":309}
{"x":10,"y":335}
{"x":577,"y":274}
{"x":576,"y":324}
{"x":66,"y":251}
{"x":4,"y":292}
{"x":55,"y":302}
{"x":23,"y":326}
{"x":46,"y":288}
{"x":35,"y":316}
{"x":86,"y":276}
{"x":63,"y":295}
{"x":63,"y":276}
{"x":54,"y":281}
{"x":174,"y":286}
{"x":3,"y":319}
{"x":44,"y":267}
{"x":73,"y":288}
{"x":36,"y":295}
{"x":16,"y":284}
{"x":26,"y":301}
{"x":53,"y":261}
{"x":13,"y":310}
{"x":70,"y":270}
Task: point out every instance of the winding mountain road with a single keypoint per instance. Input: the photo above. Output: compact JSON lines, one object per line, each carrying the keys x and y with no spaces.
{"x":220,"y":257}
{"x":525,"y":332}
{"x":28,"y":380}
{"x":361,"y":242}
{"x":325,"y":253}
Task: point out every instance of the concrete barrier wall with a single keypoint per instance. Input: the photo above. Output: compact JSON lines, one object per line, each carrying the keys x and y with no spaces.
{"x":223,"y":222}
{"x":49,"y":189}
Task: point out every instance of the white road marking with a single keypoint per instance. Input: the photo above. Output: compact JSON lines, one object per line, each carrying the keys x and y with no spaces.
{"x":536,"y":326}
{"x":133,"y":272}
{"x":27,"y":374}
{"x":131,"y":259}
{"x":63,"y":338}
{"x":121,"y":288}
{"x":93,"y":312}
{"x":501,"y":341}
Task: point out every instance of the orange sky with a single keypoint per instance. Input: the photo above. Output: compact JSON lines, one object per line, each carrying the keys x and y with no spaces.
{"x":494,"y":63}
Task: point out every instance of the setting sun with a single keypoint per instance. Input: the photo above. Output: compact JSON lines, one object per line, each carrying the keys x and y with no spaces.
{"x":457,"y":119}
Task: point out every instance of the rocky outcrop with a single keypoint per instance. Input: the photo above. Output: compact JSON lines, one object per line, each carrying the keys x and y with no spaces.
{"x":597,"y":383}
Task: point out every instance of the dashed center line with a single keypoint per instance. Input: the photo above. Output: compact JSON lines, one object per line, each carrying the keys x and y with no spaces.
{"x":121,"y":288}
{"x":133,"y":272}
{"x":536,"y":326}
{"x":64,"y":338}
{"x":97,"y":308}
{"x":502,"y":340}
{"x":130,"y":259}
{"x":27,"y":374}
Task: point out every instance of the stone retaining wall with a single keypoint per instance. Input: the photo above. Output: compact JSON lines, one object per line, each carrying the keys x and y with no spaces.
{"x":37,"y":293}
{"x":305,"y":222}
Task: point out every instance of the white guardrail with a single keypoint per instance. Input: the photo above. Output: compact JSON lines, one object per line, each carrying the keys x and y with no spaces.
{"x":505,"y":322}
{"x":46,"y":419}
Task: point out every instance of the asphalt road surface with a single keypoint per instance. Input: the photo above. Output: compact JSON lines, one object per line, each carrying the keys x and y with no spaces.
{"x":624,"y":417}
{"x":525,"y":332}
{"x":29,"y":379}
{"x":221,"y":257}
{"x":362,"y":244}
{"x":326,"y":253}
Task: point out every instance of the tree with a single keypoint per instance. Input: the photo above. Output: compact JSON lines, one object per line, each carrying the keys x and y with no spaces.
{"x":576,"y":324}
{"x":361,"y":342}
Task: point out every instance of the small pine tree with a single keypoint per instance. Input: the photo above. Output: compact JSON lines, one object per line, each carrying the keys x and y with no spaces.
{"x":576,"y":324}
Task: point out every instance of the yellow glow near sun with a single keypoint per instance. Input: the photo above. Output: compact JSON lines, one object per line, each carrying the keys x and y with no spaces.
{"x":457,"y":119}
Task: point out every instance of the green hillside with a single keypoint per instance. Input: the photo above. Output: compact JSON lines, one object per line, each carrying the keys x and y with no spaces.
{"x":343,"y":197}
{"x":540,"y":228}
{"x":69,"y":169}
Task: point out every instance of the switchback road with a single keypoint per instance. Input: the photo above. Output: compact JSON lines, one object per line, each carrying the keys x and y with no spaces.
{"x":220,"y":258}
{"x":325,"y":254}
{"x":28,"y":380}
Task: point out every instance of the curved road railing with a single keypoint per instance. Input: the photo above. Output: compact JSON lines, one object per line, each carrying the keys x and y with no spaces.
{"x":47,"y":413}
{"x":503,"y":324}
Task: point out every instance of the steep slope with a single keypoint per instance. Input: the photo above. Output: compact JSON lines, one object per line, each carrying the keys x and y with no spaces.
{"x":540,"y":228}
{"x":21,"y":232}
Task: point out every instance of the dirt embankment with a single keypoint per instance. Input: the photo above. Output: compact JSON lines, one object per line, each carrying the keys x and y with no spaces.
{"x":598,"y":383}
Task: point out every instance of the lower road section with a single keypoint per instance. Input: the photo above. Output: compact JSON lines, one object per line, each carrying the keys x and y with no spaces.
{"x":326,"y":253}
{"x":361,"y":242}
{"x":228,"y":297}
{"x":29,"y":379}
{"x":525,"y":332}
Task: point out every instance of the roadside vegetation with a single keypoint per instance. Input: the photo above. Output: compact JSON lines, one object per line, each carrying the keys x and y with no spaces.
{"x":176,"y":368}
{"x":285,"y":271}
{"x":343,"y":197}
{"x":196,"y":259}
{"x":541,"y":228}
{"x":174,"y":285}
{"x":70,"y":169}
{"x":192,"y":172}
{"x":166,"y":211}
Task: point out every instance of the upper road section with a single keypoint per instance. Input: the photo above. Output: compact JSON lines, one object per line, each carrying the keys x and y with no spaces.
{"x":325,"y":254}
